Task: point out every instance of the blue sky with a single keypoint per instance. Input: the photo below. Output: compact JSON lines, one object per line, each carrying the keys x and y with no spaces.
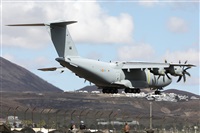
{"x":106,"y":30}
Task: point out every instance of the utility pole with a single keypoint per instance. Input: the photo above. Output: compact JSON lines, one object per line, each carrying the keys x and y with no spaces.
{"x":150,"y":116}
{"x":150,"y":130}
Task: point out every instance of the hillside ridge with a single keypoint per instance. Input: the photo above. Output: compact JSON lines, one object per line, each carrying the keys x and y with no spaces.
{"x":16,"y":78}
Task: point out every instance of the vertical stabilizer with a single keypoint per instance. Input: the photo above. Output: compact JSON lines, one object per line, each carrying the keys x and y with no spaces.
{"x":61,"y":38}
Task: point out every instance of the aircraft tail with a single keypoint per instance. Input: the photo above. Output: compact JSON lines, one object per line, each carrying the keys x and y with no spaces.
{"x":60,"y":37}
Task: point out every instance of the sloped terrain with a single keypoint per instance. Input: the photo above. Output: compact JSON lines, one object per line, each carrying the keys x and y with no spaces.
{"x":17,"y":79}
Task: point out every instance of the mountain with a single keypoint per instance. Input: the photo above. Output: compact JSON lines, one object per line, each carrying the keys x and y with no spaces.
{"x":89,"y":88}
{"x":16,"y":78}
{"x":181,"y":92}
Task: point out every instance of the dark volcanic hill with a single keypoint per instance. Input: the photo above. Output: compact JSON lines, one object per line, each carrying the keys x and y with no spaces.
{"x":181,"y":92}
{"x":15,"y":78}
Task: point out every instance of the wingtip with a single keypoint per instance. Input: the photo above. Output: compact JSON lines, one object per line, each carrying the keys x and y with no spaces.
{"x":47,"y":69}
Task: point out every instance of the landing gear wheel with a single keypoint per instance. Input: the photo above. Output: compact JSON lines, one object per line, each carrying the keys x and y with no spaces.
{"x":134,"y":91}
{"x":157,"y":92}
{"x":126,"y":90}
{"x":106,"y":91}
{"x":116,"y":91}
{"x":138,"y":91}
{"x":112,"y":91}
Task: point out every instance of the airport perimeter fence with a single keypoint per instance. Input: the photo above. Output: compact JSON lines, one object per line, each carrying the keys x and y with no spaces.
{"x":111,"y":120}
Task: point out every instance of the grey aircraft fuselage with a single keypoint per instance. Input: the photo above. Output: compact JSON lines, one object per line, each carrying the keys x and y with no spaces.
{"x":105,"y":75}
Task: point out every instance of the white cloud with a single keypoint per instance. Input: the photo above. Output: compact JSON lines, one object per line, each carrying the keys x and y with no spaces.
{"x":177,"y":25}
{"x":35,"y":63}
{"x":107,"y":29}
{"x":136,"y":52}
{"x":148,"y":3}
{"x":94,"y":24}
{"x":25,"y":39}
{"x":191,"y":55}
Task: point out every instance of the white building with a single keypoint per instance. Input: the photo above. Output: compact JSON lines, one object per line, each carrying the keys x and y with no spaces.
{"x":14,"y":119}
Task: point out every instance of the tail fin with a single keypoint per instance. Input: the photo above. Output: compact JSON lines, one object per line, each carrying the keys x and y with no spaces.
{"x":60,"y":37}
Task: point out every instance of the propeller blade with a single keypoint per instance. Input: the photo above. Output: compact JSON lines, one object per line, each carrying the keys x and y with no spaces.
{"x":184,"y":78}
{"x":150,"y":70}
{"x":180,"y":77}
{"x":187,"y":73}
{"x":187,"y":68}
{"x":163,"y":77}
{"x":186,"y":62}
{"x":168,"y":76}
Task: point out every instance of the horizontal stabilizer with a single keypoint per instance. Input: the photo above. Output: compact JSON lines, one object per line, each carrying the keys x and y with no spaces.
{"x":59,"y":23}
{"x":53,"y":69}
{"x":39,"y":24}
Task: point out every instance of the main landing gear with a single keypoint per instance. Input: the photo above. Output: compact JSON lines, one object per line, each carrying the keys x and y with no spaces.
{"x":115,"y":91}
{"x":110,"y":91}
{"x":136,"y":90}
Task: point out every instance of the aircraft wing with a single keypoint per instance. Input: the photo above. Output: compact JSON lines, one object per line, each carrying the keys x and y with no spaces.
{"x":142,"y":65}
{"x":161,"y":69}
{"x":186,"y":65}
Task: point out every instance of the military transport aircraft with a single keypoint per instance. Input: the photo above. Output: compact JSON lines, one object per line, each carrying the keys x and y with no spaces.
{"x":110,"y":76}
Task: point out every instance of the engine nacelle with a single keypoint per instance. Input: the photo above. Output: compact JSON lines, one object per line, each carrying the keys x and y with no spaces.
{"x":176,"y":71}
{"x":158,"y":71}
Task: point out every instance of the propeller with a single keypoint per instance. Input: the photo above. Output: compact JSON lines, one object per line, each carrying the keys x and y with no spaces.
{"x":167,"y":76}
{"x":184,"y":72}
{"x":160,"y":72}
{"x":167,"y":72}
{"x":164,"y":76}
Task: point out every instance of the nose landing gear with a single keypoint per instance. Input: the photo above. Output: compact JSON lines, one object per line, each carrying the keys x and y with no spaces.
{"x":157,"y":92}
